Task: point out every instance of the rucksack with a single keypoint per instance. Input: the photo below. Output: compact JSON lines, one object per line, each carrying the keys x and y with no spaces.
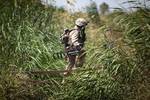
{"x":64,"y":38}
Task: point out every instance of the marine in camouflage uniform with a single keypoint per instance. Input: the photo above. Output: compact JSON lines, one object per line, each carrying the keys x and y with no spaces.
{"x":77,"y":38}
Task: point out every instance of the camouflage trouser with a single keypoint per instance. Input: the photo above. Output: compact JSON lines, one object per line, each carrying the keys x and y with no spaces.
{"x":76,"y":60}
{"x":80,"y":59}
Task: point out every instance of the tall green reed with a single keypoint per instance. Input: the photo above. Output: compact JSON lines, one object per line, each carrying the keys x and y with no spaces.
{"x":123,"y":63}
{"x":29,"y":33}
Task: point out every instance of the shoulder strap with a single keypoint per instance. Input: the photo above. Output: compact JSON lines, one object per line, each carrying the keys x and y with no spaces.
{"x":71,"y":30}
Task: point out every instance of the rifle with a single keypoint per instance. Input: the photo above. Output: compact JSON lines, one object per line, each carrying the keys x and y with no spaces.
{"x":63,"y":54}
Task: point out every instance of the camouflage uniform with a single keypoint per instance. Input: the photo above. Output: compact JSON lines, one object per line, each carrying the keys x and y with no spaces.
{"x":76,"y":43}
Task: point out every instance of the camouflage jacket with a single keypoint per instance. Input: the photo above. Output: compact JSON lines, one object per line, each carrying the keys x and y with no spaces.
{"x":76,"y":37}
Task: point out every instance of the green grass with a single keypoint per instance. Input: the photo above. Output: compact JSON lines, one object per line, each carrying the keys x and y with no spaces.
{"x":114,"y":69}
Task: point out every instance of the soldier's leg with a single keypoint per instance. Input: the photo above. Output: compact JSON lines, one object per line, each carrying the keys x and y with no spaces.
{"x":71,"y":64}
{"x":81,"y":58}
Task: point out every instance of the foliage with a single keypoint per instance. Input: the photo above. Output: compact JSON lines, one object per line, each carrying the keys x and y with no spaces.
{"x":28,"y":34}
{"x":122,"y":65}
{"x":28,"y":39}
{"x":117,"y":62}
{"x":92,"y":12}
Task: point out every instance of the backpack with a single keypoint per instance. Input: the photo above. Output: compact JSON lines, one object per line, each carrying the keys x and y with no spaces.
{"x":64,"y":38}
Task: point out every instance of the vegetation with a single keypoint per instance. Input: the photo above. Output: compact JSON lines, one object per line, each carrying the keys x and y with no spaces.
{"x":93,"y":14}
{"x":117,"y":63}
